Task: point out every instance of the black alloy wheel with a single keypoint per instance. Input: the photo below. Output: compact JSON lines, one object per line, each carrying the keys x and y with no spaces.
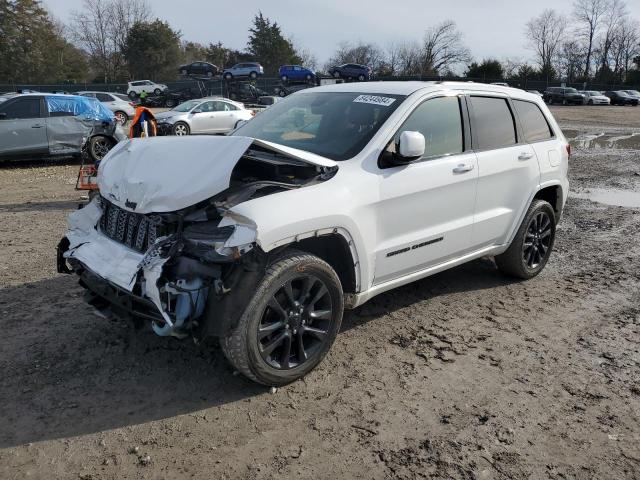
{"x":296,"y":322}
{"x":537,"y":241}
{"x":532,"y":244}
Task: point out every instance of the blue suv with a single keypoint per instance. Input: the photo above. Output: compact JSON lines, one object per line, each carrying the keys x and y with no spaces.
{"x":295,"y":73}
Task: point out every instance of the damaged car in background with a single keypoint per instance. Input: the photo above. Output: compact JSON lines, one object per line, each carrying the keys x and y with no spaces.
{"x":339,"y":193}
{"x":56,"y":125}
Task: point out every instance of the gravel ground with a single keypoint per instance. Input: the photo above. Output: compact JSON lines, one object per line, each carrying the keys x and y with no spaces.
{"x":464,"y":375}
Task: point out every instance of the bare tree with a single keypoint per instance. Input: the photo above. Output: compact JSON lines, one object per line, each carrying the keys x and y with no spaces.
{"x":410,"y":58}
{"x":307,"y":58}
{"x":616,"y":14}
{"x":626,"y":45}
{"x":510,"y":66}
{"x":443,"y":48}
{"x":571,"y":58}
{"x":101,"y":28}
{"x":545,"y":34}
{"x":588,"y":14}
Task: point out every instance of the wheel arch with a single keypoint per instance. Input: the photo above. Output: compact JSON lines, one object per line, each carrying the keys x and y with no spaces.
{"x":552,"y":194}
{"x":336,"y":247}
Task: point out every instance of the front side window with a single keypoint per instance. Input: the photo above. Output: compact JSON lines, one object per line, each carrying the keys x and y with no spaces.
{"x":493,"y":123}
{"x":336,"y":125}
{"x":22,"y":108}
{"x":534,"y":125}
{"x":440,"y":121}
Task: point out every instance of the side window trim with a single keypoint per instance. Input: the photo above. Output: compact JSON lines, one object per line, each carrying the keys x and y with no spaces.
{"x":466,"y":130}
{"x":474,"y":128}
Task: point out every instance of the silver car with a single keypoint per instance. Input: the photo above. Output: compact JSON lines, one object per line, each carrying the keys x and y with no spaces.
{"x":203,"y":116}
{"x":245,"y":69}
{"x":118,"y":103}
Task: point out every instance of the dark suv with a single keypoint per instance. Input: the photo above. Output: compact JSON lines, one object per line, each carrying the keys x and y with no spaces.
{"x":351,"y":70}
{"x":563,"y":95}
{"x":204,"y":69}
{"x":621,"y":98}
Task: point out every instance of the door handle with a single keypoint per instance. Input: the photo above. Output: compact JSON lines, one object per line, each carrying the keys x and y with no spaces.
{"x":463,"y":167}
{"x":37,"y":125}
{"x":525,"y":156}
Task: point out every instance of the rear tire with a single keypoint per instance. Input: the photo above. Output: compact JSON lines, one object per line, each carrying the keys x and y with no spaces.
{"x":361,"y":78}
{"x":533,"y":243}
{"x":284,"y":78}
{"x":302,"y":324}
{"x":228,"y":76}
{"x":121,"y":117}
{"x":132,"y":95}
{"x":253,"y":75}
{"x":157,"y":91}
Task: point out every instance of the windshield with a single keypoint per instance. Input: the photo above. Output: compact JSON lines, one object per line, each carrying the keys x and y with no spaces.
{"x":336,"y":125}
{"x":632,"y":92}
{"x":621,"y":93}
{"x":186,"y":106}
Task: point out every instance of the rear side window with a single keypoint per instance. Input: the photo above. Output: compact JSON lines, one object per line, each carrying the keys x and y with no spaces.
{"x":534,"y":125}
{"x":440,"y":121}
{"x":22,"y":108}
{"x":493,"y":122}
{"x":103,"y":97}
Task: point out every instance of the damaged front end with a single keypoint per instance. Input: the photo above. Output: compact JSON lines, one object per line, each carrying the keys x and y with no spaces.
{"x":190,"y":271}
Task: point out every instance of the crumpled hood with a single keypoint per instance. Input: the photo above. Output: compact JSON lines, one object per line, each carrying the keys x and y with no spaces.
{"x":167,"y":114}
{"x":165,"y":174}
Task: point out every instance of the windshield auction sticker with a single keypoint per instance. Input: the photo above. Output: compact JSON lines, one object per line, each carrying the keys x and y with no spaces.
{"x":375,"y":100}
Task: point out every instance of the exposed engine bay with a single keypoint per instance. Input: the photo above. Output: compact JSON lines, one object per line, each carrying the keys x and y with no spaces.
{"x":179,"y":268}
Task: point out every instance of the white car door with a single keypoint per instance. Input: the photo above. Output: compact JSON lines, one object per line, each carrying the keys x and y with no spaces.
{"x":226,"y":116}
{"x":425,"y":215}
{"x":202,"y":118}
{"x":508,"y":170}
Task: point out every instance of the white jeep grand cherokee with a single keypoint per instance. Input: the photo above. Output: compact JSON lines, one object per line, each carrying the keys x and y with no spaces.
{"x":321,"y":202}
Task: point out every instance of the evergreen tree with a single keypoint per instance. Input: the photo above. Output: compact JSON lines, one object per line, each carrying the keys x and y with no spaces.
{"x":269,"y":46}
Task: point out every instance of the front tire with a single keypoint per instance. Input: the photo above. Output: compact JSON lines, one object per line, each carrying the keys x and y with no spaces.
{"x":531,"y":247}
{"x":132,"y":95}
{"x":157,"y":91}
{"x":290,"y":323}
{"x":99,"y":146}
{"x":181,"y":129}
{"x":253,"y":75}
{"x":361,"y":78}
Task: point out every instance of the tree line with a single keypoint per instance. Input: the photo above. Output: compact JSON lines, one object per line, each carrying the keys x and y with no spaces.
{"x":113,"y":41}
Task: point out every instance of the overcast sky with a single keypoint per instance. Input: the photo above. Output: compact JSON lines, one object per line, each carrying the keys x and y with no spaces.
{"x":492,"y":28}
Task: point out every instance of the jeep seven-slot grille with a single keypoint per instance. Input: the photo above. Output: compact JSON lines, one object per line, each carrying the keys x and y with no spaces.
{"x":135,"y":230}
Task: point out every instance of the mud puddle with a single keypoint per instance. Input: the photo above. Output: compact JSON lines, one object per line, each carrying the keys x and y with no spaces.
{"x":602,"y":140}
{"x":610,"y":196}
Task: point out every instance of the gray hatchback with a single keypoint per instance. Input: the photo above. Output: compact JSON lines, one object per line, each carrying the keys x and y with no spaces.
{"x":245,"y":69}
{"x":35,"y":125}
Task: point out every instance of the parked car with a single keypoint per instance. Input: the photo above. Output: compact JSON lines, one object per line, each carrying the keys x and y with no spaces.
{"x":563,"y":95}
{"x":351,"y":70}
{"x":632,"y":93}
{"x":618,"y":97}
{"x":247,"y":93}
{"x":296,"y":73}
{"x":243,"y":70}
{"x":284,"y":90}
{"x":204,"y":115}
{"x":134,"y":89}
{"x":170,"y":98}
{"x":121,"y":106}
{"x":322,"y":201}
{"x":204,"y":69}
{"x":594,"y":97}
{"x":49,"y":125}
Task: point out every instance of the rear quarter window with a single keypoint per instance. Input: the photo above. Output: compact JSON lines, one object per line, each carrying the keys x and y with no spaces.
{"x":534,"y":124}
{"x":494,"y":126}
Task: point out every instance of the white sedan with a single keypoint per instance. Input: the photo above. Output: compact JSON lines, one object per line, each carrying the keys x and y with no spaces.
{"x":203,"y":116}
{"x":593,"y":97}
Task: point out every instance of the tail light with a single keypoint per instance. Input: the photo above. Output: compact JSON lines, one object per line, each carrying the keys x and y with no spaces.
{"x":253,"y":113}
{"x":568,"y":147}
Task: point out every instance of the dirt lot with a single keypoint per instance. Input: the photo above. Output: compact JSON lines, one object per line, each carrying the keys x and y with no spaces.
{"x":462,"y":375}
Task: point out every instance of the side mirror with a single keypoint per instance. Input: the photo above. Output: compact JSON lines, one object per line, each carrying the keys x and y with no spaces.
{"x":410,"y":146}
{"x":197,"y":110}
